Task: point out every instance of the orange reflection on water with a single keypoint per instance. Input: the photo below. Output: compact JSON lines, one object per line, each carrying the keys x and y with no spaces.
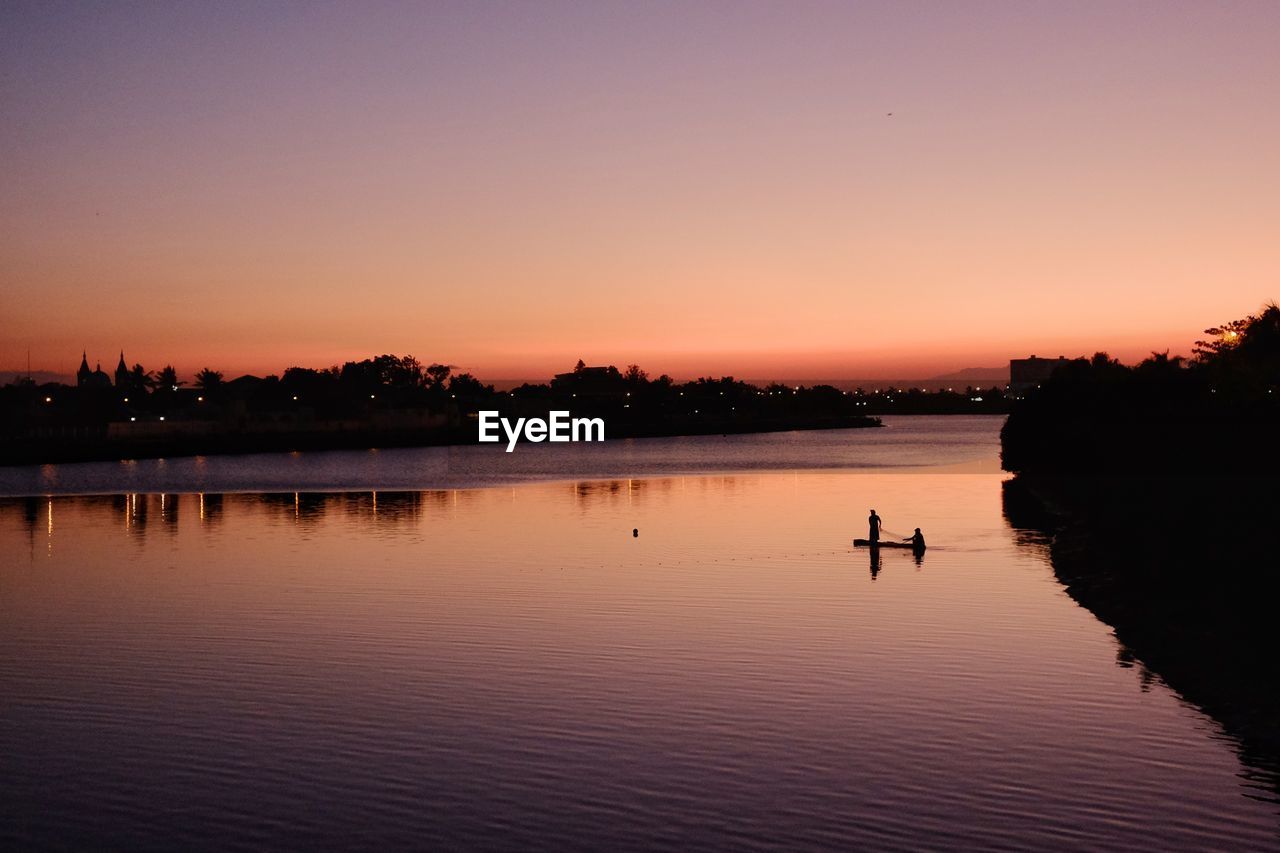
{"x":738,"y":657}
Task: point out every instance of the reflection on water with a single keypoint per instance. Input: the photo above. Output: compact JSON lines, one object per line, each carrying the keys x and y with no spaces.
{"x":1196,"y":614}
{"x":510,"y":667}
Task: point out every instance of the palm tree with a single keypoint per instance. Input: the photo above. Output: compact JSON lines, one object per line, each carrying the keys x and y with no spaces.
{"x":141,"y":378}
{"x":168,"y":379}
{"x":208,"y":379}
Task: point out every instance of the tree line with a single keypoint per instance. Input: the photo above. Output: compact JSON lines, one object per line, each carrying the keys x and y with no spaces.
{"x":1214,"y":412}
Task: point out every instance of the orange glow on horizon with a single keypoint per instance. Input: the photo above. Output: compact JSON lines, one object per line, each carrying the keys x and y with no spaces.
{"x":848,"y":191}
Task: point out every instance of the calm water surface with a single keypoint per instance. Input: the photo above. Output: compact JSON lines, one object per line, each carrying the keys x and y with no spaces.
{"x":508,"y":667}
{"x":972,"y":442}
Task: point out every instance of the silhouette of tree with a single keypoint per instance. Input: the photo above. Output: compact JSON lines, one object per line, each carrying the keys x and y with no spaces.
{"x":383,"y":371}
{"x":306,"y":376}
{"x":405,"y":372}
{"x":466,"y":385}
{"x":1216,"y":413}
{"x":438,"y":375}
{"x":635,"y":375}
{"x":1261,"y":344}
{"x":168,"y":378}
{"x":1224,"y":338}
{"x":140,"y":378}
{"x":1244,"y":358}
{"x":208,"y":379}
{"x":1163,"y":360}
{"x":580,"y":366}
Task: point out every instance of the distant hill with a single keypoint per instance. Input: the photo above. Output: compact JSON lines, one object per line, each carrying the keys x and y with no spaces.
{"x":981,"y":378}
{"x":977,"y":376}
{"x":39,"y":376}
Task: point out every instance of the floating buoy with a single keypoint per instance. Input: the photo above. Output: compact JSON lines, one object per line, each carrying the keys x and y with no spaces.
{"x":635,"y":531}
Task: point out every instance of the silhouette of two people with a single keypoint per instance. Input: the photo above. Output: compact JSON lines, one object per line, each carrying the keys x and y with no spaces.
{"x":875,"y":524}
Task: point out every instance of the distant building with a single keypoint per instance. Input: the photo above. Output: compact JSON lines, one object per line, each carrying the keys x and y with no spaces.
{"x":1027,"y":373}
{"x":591,"y":382}
{"x":86,"y":378}
{"x":588,"y":374}
{"x":125,"y":380}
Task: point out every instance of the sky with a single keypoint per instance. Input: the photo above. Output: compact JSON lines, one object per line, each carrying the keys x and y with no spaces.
{"x":760,"y":189}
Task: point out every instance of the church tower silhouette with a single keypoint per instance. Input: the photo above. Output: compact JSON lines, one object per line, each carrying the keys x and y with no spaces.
{"x":84,"y":373}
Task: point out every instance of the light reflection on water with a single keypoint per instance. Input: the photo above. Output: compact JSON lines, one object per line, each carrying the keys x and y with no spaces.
{"x":510,"y":667}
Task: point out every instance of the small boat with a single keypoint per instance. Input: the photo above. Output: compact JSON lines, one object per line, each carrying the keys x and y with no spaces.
{"x":886,"y":543}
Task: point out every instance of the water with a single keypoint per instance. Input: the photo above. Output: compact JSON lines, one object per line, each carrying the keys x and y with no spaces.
{"x":971,"y":441}
{"x":507,"y":667}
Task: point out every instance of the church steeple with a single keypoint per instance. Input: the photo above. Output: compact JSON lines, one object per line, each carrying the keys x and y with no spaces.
{"x":83,"y":374}
{"x":122,"y":373}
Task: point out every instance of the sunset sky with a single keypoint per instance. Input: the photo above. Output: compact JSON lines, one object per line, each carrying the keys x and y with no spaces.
{"x":776,"y":189}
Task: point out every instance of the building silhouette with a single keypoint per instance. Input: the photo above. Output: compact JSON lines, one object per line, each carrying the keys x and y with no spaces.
{"x":86,"y":378}
{"x":1027,"y":373}
{"x":586,"y":381}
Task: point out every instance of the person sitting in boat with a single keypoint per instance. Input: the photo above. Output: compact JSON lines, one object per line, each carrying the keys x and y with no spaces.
{"x":916,"y":539}
{"x":875,"y":523}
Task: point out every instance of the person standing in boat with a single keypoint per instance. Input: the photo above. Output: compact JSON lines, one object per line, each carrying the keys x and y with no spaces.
{"x":875,"y":523}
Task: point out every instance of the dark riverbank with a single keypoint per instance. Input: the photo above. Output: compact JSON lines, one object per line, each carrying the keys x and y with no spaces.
{"x":1213,"y":415}
{"x":1156,"y":487}
{"x":392,"y":401}
{"x":1181,"y":568}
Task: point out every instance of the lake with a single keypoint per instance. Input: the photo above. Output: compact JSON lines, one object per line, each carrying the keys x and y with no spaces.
{"x":462,"y":648}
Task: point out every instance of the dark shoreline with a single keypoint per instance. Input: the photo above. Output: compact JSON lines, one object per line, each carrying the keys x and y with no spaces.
{"x":26,"y":452}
